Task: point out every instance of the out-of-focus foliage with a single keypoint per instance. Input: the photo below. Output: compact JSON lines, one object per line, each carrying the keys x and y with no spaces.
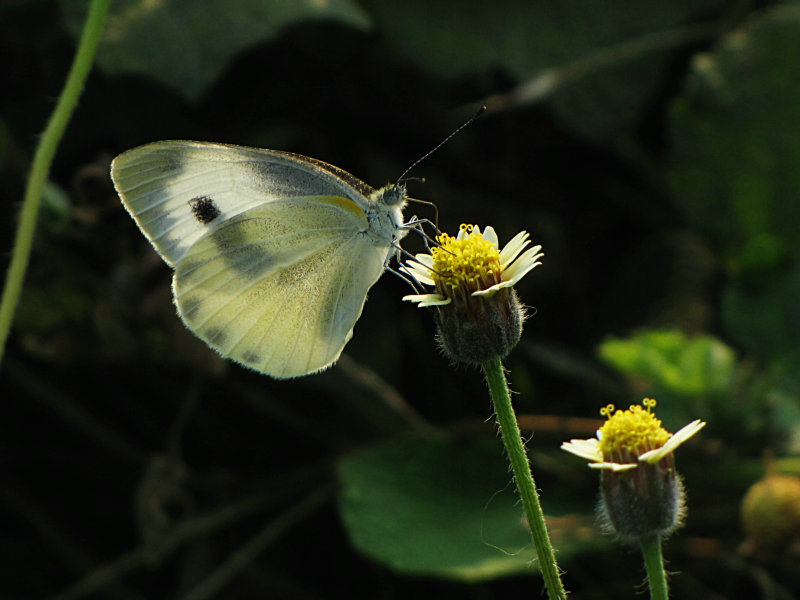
{"x":528,"y":38}
{"x":650,"y":147}
{"x":735,"y":139}
{"x":444,"y":508}
{"x":735,"y":143}
{"x":672,"y":363}
{"x":765,"y":317}
{"x":186,"y":45}
{"x":690,"y":376}
{"x":435,"y":508}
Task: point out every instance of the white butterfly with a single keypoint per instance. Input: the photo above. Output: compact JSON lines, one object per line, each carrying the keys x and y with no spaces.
{"x":273,"y":252}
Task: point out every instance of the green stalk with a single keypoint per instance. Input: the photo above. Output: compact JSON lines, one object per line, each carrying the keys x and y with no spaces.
{"x":41,"y":165}
{"x":654,"y":564}
{"x":507,"y":420}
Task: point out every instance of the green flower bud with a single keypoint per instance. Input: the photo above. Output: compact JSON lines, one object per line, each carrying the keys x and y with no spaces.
{"x":771,"y":512}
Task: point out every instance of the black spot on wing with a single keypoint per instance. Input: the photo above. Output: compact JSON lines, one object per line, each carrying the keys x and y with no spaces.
{"x":251,"y":358}
{"x":204,"y":209}
{"x":189,"y":307}
{"x":215,"y":336}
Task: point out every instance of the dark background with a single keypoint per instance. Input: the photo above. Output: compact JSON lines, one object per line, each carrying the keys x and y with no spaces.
{"x":118,"y":424}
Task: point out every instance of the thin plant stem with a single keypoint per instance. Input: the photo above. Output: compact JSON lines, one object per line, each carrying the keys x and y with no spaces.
{"x":42,"y":160}
{"x":654,"y":564}
{"x":507,"y":420}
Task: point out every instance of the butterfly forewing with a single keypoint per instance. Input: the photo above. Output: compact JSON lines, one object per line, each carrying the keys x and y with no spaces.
{"x":163,"y":183}
{"x":280,"y":286}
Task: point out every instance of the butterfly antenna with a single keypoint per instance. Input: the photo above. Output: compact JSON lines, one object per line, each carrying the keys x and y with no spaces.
{"x":469,"y":121}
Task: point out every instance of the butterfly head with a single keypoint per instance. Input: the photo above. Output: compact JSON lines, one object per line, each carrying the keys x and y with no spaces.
{"x":392,"y":194}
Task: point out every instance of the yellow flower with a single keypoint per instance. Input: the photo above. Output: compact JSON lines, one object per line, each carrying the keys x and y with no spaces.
{"x":477,"y":312}
{"x":641,"y":492}
{"x":630,"y":437}
{"x":471,"y":264}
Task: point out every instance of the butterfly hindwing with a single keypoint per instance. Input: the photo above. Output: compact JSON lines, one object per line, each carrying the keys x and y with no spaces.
{"x":280,"y":286}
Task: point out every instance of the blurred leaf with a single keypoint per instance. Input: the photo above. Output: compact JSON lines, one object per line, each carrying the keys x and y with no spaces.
{"x":696,"y":377}
{"x":5,"y":141}
{"x":451,"y":39}
{"x":440,"y":508}
{"x":766,"y":319}
{"x":736,"y":140}
{"x":783,"y":401}
{"x":56,"y":208}
{"x":695,"y":366}
{"x":186,"y":44}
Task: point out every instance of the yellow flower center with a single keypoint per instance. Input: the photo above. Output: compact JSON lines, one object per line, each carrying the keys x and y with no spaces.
{"x":470,"y":264}
{"x":630,"y":433}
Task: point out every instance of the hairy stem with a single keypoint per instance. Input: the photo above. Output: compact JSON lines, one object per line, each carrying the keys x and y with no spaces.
{"x":654,"y":563}
{"x":507,"y":420}
{"x":42,"y":161}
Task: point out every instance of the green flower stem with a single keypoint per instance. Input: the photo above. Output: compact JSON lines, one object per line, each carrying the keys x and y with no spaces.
{"x":496,"y":379}
{"x":42,"y":161}
{"x":654,"y":563}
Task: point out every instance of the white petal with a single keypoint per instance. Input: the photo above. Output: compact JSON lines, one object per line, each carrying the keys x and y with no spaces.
{"x":513,"y":247}
{"x":491,"y":290}
{"x":653,"y":456}
{"x":422,"y":263}
{"x":438,"y":302}
{"x":522,"y":265}
{"x":421,"y":279}
{"x":588,"y":449}
{"x":613,"y":466}
{"x":490,"y":234}
{"x":425,"y":259}
{"x":418,"y":274}
{"x":424,"y":300}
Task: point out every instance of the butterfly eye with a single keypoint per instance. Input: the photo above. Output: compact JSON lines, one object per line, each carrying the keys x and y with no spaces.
{"x":392,"y":194}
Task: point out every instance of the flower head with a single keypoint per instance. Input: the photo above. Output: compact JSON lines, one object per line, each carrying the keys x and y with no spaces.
{"x":641,"y":491}
{"x":471,"y":265}
{"x":477,"y":312}
{"x":629,"y":437}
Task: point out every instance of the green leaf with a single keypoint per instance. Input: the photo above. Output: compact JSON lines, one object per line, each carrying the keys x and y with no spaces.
{"x":670,"y":360}
{"x":56,"y":208}
{"x":783,"y":402}
{"x":690,"y":377}
{"x":5,"y":142}
{"x":525,"y":38}
{"x":765,"y":319}
{"x":736,"y":140}
{"x":439,"y":508}
{"x":185,"y":44}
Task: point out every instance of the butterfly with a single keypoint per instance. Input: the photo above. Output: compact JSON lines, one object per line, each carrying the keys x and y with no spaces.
{"x":273,"y":252}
